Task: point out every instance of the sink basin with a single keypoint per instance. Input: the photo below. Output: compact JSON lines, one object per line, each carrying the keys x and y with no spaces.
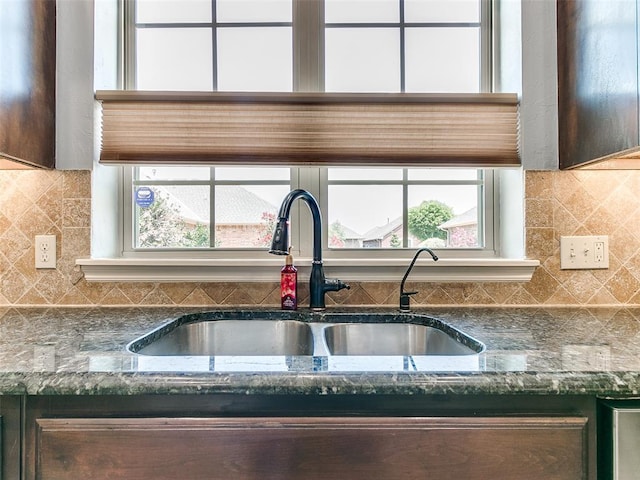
{"x":391,"y":339}
{"x":231,"y":337}
{"x":278,"y":333}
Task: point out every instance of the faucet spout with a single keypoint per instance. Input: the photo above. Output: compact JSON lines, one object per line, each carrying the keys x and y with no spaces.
{"x":405,"y":297}
{"x":318,"y":284}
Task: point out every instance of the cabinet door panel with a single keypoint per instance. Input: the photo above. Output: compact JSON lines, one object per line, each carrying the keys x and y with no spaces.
{"x":312,"y":448}
{"x":597,"y":79}
{"x":27,"y":89}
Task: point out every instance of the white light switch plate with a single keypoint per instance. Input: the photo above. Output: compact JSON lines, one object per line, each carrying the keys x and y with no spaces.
{"x":45,"y":251}
{"x":585,"y":252}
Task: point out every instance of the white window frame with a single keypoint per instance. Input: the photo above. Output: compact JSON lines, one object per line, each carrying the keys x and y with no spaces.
{"x":350,"y":264}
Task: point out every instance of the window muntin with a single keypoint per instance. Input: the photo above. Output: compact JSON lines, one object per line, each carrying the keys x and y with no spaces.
{"x":387,"y":208}
{"x":389,"y":60}
{"x":403,"y":46}
{"x":203,"y":208}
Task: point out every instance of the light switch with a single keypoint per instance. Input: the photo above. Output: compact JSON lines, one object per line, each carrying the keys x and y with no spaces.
{"x":584,"y":252}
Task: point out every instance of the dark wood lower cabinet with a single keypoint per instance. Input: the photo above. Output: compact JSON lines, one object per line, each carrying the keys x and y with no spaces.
{"x":312,"y":448}
{"x":10,"y":437}
{"x":312,"y":437}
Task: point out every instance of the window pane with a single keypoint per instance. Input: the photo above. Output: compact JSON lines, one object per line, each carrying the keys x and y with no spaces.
{"x":174,"y":59}
{"x":428,"y":55}
{"x":365,"y":174}
{"x":176,"y":217}
{"x":365,"y":216}
{"x":244,"y":219}
{"x":443,"y":174}
{"x":356,"y":11}
{"x":255,"y":59}
{"x":442,"y":10}
{"x":234,"y":11}
{"x":362,"y":60}
{"x":271,"y":194}
{"x":252,"y":173}
{"x":444,"y":216}
{"x":174,"y":173}
{"x":173,"y":11}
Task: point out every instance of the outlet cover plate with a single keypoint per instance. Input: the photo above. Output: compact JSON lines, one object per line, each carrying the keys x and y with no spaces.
{"x":45,"y":247}
{"x":584,"y":252}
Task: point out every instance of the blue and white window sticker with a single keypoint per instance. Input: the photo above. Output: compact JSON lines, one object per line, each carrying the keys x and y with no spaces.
{"x":144,"y":196}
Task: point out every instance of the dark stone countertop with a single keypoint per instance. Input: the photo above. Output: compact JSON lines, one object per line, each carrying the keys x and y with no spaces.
{"x":529,"y":351}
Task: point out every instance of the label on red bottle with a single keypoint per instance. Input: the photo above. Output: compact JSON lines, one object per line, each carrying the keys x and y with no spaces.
{"x":288,"y":291}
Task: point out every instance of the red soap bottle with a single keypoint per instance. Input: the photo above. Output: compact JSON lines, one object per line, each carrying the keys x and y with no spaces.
{"x":289,"y":285}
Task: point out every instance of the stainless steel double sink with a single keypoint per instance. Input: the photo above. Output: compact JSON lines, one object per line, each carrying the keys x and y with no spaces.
{"x":258,"y":333}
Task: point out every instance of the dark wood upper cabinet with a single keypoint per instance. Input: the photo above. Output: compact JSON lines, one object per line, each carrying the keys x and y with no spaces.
{"x":27,"y":83}
{"x":597,"y":81}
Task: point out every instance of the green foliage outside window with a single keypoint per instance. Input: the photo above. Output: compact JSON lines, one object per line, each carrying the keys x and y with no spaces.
{"x":426,"y":217}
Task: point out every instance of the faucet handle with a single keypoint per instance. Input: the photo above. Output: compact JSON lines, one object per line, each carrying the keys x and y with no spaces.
{"x":405,"y":301}
{"x":334,"y":285}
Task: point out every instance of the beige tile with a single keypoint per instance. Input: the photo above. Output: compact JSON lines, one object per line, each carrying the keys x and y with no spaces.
{"x":521,"y":297}
{"x":157,"y":297}
{"x":603,"y":297}
{"x":32,"y":297}
{"x":355,"y":296}
{"x":479,"y":296}
{"x":601,"y":222}
{"x":623,"y":285}
{"x":73,"y":296}
{"x":77,"y":184}
{"x":435,"y":295}
{"x":539,"y":184}
{"x":539,"y":213}
{"x":561,"y":297}
{"x":177,"y":292}
{"x":51,"y":285}
{"x":599,"y":184}
{"x":582,"y":285}
{"x":35,"y":222}
{"x":116,"y":296}
{"x":624,"y":245}
{"x":542,"y":285}
{"x":36,"y":183}
{"x":539,"y":243}
{"x":76,"y":242}
{"x":238,"y":297}
{"x":14,"y":203}
{"x":564,"y":223}
{"x":13,"y":285}
{"x":580,"y":205}
{"x":76,"y":212}
{"x":382,"y":292}
{"x":95,"y":292}
{"x":500,"y":291}
{"x":558,"y":203}
{"x":197,"y":298}
{"x":14,"y":244}
{"x":218,"y":292}
{"x":136,"y":291}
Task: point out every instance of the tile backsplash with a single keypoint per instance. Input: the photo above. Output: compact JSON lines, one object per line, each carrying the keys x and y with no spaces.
{"x":557,"y":203}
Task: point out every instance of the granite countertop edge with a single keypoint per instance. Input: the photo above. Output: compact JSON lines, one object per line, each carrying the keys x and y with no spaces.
{"x":51,"y":351}
{"x":604,"y":385}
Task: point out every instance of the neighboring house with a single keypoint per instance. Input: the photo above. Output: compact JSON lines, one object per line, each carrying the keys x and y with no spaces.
{"x":347,"y":239}
{"x":241,"y":217}
{"x":386,"y":235}
{"x":462,"y":230}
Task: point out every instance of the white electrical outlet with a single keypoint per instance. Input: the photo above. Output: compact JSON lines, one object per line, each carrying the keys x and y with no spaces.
{"x":586,"y":252}
{"x":45,"y":251}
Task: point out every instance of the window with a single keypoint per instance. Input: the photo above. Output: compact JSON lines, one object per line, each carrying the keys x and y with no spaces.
{"x":363,"y":46}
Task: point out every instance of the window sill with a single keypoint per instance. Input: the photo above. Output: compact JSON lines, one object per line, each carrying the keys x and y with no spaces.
{"x":354,"y":270}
